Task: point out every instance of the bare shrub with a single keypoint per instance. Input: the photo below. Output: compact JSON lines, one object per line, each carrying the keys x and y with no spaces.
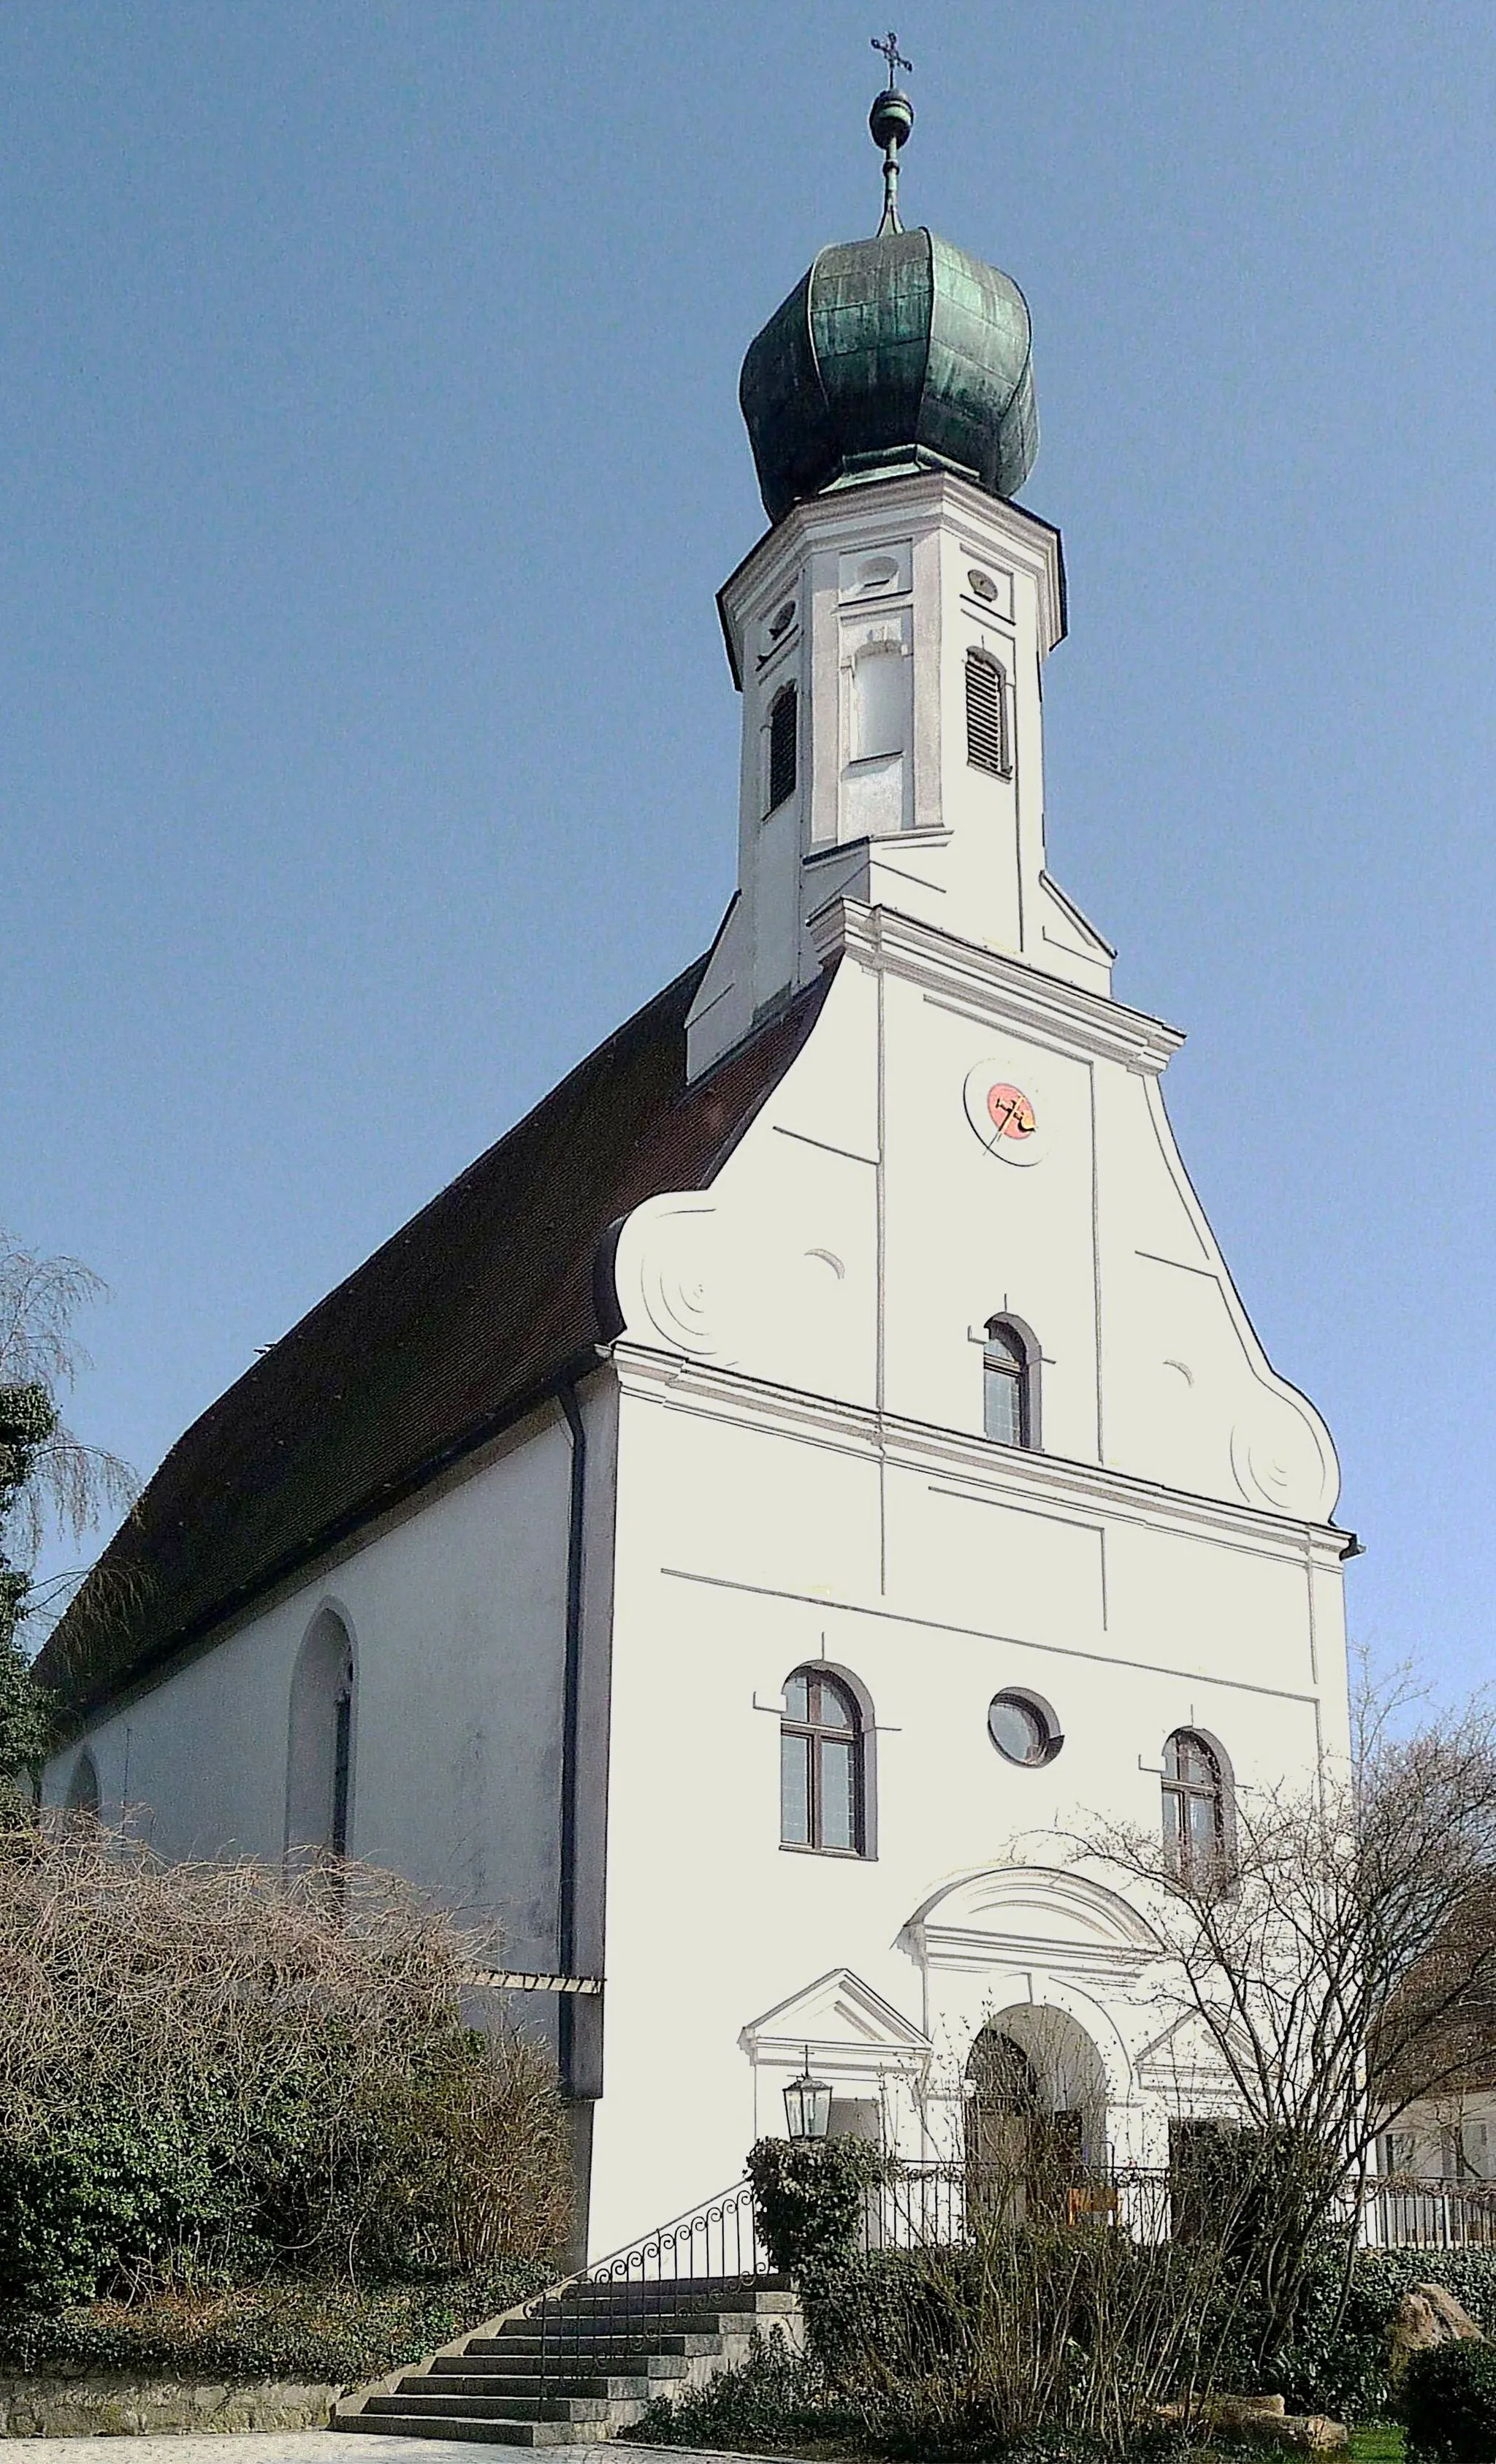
{"x":1333,"y":1964}
{"x":227,"y":2068}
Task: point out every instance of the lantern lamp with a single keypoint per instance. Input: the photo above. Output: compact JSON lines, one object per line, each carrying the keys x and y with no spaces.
{"x":807,"y":2105}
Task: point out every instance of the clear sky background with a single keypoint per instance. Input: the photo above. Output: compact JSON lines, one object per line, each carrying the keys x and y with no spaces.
{"x":371,"y":455}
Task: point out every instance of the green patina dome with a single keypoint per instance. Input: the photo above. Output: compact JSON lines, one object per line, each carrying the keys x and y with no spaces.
{"x":894,"y":353}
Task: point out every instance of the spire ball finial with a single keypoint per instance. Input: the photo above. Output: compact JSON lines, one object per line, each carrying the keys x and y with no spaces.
{"x":890,"y":119}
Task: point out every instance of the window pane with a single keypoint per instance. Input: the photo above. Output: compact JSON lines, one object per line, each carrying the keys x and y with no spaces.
{"x":1016,"y":1730}
{"x":795,"y":1790}
{"x":797,"y":1699}
{"x":836,"y":1795}
{"x":1202,"y":1827}
{"x":833,"y":1711}
{"x":1001,"y":1414}
{"x":1171,"y":1822}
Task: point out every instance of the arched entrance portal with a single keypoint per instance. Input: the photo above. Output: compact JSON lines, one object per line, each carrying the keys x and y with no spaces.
{"x":1035,"y":2114}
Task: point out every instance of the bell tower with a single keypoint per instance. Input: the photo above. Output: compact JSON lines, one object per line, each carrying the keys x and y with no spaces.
{"x":889,"y":632}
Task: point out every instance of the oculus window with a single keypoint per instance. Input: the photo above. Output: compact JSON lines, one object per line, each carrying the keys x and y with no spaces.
{"x":1024,"y":1729}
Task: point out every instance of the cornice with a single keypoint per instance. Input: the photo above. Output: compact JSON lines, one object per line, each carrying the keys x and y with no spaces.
{"x":857,"y":516}
{"x":1052,"y":1485}
{"x":1005,"y":991}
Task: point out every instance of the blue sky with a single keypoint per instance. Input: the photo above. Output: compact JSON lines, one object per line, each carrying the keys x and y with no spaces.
{"x":371,"y":455}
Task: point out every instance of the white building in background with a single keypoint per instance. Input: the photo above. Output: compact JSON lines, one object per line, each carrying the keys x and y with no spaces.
{"x":739,"y":1530}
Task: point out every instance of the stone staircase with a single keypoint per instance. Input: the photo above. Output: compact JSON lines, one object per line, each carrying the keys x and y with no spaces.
{"x":578,"y":2363}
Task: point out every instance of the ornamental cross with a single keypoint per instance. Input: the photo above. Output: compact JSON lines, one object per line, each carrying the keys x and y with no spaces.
{"x":889,"y":49}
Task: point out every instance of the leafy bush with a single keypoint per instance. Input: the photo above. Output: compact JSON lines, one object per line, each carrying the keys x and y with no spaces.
{"x":207,"y":2073}
{"x":1336,"y":2358}
{"x":1447,"y":2402}
{"x":318,"y":2333}
{"x":777,"y":2397}
{"x":810,"y":2197}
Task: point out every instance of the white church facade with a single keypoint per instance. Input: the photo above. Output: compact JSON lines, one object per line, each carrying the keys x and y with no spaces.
{"x":819,"y":1461}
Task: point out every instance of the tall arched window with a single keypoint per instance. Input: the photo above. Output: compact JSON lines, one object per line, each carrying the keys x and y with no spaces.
{"x":1007,"y":1396}
{"x":820,"y":1765}
{"x":784,"y":730}
{"x":1194,"y":1802}
{"x":80,"y":1806}
{"x":987,"y":715}
{"x":319,"y":1769}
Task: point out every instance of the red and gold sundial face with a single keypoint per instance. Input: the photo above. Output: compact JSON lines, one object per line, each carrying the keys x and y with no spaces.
{"x":1015,"y":1123}
{"x":1009,"y":1111}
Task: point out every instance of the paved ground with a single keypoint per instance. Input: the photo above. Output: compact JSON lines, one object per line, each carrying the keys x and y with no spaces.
{"x":321,"y":2447}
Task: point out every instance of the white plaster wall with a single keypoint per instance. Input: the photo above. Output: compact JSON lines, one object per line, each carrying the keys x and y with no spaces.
{"x":457,"y":1616}
{"x":802,"y":1472}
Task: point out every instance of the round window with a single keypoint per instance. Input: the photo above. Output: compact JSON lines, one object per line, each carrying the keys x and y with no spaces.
{"x":1024,"y":1729}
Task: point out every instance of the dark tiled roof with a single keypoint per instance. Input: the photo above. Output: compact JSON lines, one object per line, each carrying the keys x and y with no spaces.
{"x":457,"y":1326}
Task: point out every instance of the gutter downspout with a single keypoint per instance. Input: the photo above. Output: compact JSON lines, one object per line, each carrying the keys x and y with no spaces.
{"x":571,"y":1756}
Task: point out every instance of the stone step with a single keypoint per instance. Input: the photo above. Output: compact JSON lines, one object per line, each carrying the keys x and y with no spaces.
{"x":520,"y":2392}
{"x":601,"y":2334}
{"x":418,"y":2424}
{"x":625,"y":2338}
{"x":509,"y":2407}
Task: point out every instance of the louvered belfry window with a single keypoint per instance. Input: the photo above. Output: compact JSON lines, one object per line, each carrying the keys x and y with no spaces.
{"x":986,"y":715}
{"x":782,"y":731}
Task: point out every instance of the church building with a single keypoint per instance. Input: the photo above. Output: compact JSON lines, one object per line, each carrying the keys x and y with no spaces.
{"x":819,"y":1459}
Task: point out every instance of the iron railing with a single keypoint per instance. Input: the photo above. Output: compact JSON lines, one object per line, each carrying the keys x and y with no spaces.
{"x":932,"y":2205}
{"x":596,"y":2324}
{"x":1398,"y":2212}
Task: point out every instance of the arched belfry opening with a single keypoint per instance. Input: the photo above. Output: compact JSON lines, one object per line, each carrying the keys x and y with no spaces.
{"x":319,"y":1763}
{"x":1035,"y":2113}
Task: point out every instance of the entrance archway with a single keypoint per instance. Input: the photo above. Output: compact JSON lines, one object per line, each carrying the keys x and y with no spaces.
{"x":1034,"y":2114}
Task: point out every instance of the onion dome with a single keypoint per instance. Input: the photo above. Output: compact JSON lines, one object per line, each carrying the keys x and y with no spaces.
{"x":893,"y":353}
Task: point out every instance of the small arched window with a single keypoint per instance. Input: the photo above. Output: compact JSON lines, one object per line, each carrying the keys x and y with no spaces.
{"x":319,"y":1776}
{"x":987,"y":715}
{"x":1007,"y":1398}
{"x":80,"y":1806}
{"x":820,"y":1765}
{"x":1194,"y":1802}
{"x":783,"y":731}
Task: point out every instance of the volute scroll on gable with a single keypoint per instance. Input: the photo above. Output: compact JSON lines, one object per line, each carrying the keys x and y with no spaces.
{"x":1214,"y":1386}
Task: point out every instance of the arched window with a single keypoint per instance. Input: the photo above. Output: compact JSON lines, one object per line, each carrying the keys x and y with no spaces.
{"x":80,"y":1806}
{"x":1194,"y":1802}
{"x":784,"y":730}
{"x":1007,"y":1397}
{"x":320,"y":1769}
{"x":987,"y":715}
{"x":820,"y":1765}
{"x":880,"y":697}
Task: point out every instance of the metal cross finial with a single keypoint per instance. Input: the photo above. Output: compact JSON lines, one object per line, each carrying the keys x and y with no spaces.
{"x":890,"y":119}
{"x":889,"y":49}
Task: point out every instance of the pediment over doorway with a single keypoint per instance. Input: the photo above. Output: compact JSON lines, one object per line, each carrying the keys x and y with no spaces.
{"x":1025,"y":1916}
{"x":844,"y":2023}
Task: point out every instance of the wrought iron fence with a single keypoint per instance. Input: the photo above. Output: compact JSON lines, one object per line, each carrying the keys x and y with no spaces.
{"x":931,"y":2206}
{"x":597,"y":2325}
{"x":1402,"y":2213}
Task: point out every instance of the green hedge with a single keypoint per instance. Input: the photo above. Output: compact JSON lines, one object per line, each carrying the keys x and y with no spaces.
{"x":316,"y":2332}
{"x":774,"y":2400}
{"x":1447,"y":2401}
{"x":810,"y":2197}
{"x":1338,"y":2363}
